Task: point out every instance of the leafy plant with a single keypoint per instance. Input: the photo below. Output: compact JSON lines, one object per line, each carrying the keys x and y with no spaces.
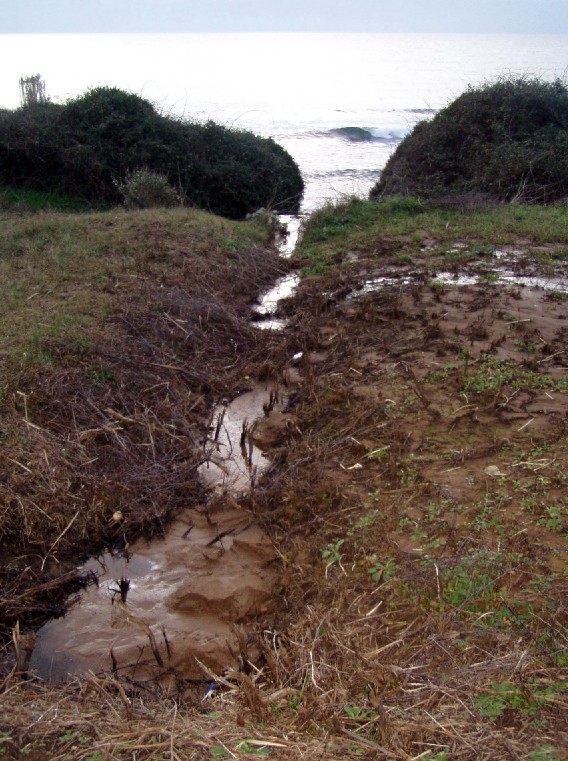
{"x":358,"y":712}
{"x":145,"y":189}
{"x":88,"y":146}
{"x":383,"y":571}
{"x":332,"y":553}
{"x":544,"y":753}
{"x":254,"y":748}
{"x":507,"y":695}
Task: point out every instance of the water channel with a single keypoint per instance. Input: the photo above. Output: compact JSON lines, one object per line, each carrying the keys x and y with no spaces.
{"x":190,"y":596}
{"x":179,"y":606}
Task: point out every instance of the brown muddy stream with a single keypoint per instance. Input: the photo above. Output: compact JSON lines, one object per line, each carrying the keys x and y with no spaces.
{"x":185,"y":599}
{"x":189,"y":594}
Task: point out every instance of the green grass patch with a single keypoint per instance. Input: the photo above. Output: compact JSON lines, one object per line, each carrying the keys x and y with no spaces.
{"x":490,"y":374}
{"x":36,"y":200}
{"x":363,"y":226}
{"x":60,"y":274}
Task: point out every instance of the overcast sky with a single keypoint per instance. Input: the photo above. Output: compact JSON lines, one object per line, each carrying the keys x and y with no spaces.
{"x":502,"y":16}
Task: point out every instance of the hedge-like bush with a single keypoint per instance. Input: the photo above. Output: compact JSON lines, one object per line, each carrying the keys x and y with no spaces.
{"x":507,"y":140}
{"x":87,"y":147}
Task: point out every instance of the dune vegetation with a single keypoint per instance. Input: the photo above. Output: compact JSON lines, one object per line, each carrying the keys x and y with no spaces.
{"x":413,"y":513}
{"x":506,"y":140}
{"x":415,"y":498}
{"x":87,"y":148}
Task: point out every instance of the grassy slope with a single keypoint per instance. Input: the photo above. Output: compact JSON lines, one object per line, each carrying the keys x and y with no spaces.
{"x":360,"y":225}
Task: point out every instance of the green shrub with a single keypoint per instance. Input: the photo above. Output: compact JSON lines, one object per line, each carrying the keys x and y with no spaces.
{"x":87,"y":147}
{"x":145,"y":189}
{"x":507,"y":140}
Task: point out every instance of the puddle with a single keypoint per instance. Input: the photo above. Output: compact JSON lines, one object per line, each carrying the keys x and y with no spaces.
{"x":285,"y":286}
{"x":187,"y":591}
{"x":287,"y":243}
{"x":234,"y":461}
{"x":283,"y":289}
{"x":450,"y":278}
{"x":188,"y":595}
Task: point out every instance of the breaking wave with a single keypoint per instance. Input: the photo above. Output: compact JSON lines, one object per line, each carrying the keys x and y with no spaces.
{"x":370,"y":134}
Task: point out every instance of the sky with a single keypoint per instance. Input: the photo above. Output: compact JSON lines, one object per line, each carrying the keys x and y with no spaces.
{"x":473,"y":16}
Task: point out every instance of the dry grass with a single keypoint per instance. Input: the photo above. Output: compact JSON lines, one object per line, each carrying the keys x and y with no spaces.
{"x":122,"y":329}
{"x":422,"y":611}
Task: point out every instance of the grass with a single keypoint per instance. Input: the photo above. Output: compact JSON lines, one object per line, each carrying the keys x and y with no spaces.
{"x":60,"y":273}
{"x":417,"y":504}
{"x":359,"y":226}
{"x":26,"y":201}
{"x":137,"y":315}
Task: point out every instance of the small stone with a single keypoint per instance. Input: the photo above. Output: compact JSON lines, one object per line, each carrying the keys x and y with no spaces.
{"x":493,"y":470}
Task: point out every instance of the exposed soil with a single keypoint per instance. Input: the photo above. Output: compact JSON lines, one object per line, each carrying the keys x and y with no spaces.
{"x":417,"y":505}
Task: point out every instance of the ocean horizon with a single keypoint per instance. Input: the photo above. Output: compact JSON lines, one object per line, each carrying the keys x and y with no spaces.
{"x":338,"y":102}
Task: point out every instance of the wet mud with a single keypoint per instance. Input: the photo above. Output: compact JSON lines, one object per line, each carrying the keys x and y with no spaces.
{"x":190,"y":597}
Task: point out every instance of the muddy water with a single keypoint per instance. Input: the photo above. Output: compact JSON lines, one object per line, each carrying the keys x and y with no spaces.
{"x":558,"y":284}
{"x":189,"y":598}
{"x":233,"y":459}
{"x":285,"y":286}
{"x":189,"y":595}
{"x":189,"y":592}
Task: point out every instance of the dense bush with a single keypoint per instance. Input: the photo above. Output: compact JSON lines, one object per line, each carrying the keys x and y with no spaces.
{"x":87,"y":147}
{"x":508,"y":140}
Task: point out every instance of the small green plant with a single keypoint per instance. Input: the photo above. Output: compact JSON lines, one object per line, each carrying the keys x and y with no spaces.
{"x":378,"y":454}
{"x":528,"y":347}
{"x":437,"y":377}
{"x":482,"y":249}
{"x":101,"y":376}
{"x":332,"y":554}
{"x":556,"y":515}
{"x":254,"y":747}
{"x":383,"y":571}
{"x":544,"y":753}
{"x":407,"y":472}
{"x":365,"y":521}
{"x":503,"y":695}
{"x":145,"y":189}
{"x":560,"y":296}
{"x":358,"y":712}
{"x":526,"y":699}
{"x":466,"y":585}
{"x":489,"y":277}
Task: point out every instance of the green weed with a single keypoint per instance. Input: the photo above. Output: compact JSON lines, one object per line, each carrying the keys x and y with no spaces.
{"x":527,"y":699}
{"x":254,"y":748}
{"x":383,"y":571}
{"x":544,"y":753}
{"x":332,"y":553}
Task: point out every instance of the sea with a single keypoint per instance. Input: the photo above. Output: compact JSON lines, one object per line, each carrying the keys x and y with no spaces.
{"x":339,"y":103}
